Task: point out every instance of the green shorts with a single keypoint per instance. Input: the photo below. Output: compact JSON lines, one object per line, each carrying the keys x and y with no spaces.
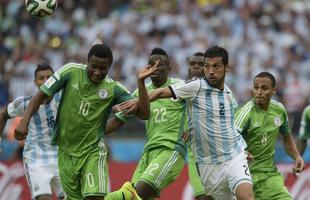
{"x":194,"y":177}
{"x":158,"y":168}
{"x":269,"y":186}
{"x":84,"y":176}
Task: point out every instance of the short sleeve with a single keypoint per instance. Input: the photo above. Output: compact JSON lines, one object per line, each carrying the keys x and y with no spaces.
{"x":17,"y":107}
{"x":284,"y":128}
{"x":304,"y":130}
{"x":187,"y":91}
{"x":121,"y":94}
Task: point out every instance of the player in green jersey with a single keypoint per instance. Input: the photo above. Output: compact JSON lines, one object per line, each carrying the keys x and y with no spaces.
{"x":304,"y":131}
{"x":260,"y":121}
{"x":86,"y":102}
{"x":164,"y":153}
{"x":195,"y":70}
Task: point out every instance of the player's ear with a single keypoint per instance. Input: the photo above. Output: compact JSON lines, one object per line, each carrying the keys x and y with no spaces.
{"x":226,"y":68}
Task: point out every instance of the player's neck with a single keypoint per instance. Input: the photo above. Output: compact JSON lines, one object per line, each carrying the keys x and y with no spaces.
{"x":160,"y":82}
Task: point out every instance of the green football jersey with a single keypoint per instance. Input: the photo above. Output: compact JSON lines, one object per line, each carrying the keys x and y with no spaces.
{"x":84,"y":108}
{"x":260,"y":130}
{"x":304,"y":131}
{"x":167,"y":122}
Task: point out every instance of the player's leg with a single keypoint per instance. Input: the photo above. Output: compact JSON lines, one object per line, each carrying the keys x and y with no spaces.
{"x":239,"y":178}
{"x":270,"y":185}
{"x":69,"y":168}
{"x":55,"y":182}
{"x":194,"y":178}
{"x":38,"y":178}
{"x":156,"y":170}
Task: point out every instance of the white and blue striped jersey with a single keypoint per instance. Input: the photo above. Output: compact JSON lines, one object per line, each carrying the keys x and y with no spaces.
{"x":38,"y":148}
{"x":214,"y":138}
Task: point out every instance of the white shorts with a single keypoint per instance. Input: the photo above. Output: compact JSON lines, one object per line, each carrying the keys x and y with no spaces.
{"x":43,"y":179}
{"x":221,"y":180}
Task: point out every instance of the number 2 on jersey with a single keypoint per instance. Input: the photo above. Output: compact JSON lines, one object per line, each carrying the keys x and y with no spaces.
{"x":160,"y":114}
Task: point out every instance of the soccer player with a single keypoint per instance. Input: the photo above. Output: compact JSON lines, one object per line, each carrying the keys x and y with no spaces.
{"x":304,"y":131}
{"x":39,"y":156}
{"x":164,"y":153}
{"x":86,"y":102}
{"x":195,"y":71}
{"x":217,"y":145}
{"x":260,"y":121}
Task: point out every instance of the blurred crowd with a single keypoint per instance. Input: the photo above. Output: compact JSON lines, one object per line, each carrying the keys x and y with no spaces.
{"x":260,"y":35}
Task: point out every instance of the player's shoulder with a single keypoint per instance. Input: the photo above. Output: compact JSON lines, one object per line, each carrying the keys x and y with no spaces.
{"x":71,"y":66}
{"x":174,"y":80}
{"x":277,"y":105}
{"x":307,"y":109}
{"x":21,"y":101}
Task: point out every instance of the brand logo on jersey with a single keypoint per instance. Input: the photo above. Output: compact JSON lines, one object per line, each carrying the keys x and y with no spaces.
{"x":36,"y":187}
{"x":103,"y":93}
{"x":277,"y":121}
{"x":75,"y":86}
{"x":256,"y":124}
{"x":49,"y":82}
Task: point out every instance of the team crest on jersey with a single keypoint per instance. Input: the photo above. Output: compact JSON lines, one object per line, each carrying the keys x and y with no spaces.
{"x":49,"y":82}
{"x":277,"y":121}
{"x":103,"y":93}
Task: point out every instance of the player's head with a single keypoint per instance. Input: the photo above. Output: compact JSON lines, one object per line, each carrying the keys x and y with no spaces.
{"x":216,"y":66}
{"x":264,"y":85}
{"x":195,"y":65}
{"x":163,"y":66}
{"x":99,"y":61}
{"x":42,"y":72}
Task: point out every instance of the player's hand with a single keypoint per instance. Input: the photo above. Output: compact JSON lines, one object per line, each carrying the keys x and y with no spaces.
{"x":148,"y":70}
{"x":298,"y":166}
{"x":21,"y":131}
{"x":185,"y":136}
{"x":249,"y":157}
{"x":127,"y":107}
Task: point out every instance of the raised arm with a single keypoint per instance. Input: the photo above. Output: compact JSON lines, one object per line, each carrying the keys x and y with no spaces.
{"x":291,"y":149}
{"x":21,"y":130}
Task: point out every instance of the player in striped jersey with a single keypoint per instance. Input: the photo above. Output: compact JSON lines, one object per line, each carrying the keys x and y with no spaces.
{"x":260,"y":121}
{"x":86,"y":102}
{"x":217,"y":145}
{"x":39,"y":156}
{"x":304,"y":131}
{"x":195,"y":71}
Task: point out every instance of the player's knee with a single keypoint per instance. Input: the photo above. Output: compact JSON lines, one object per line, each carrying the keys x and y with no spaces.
{"x":44,"y":197}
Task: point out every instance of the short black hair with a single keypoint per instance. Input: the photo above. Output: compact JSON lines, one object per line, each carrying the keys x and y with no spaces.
{"x":160,"y":51}
{"x":267,"y":75}
{"x":101,"y":51}
{"x":217,"y":51}
{"x":42,"y":67}
{"x":198,"y":54}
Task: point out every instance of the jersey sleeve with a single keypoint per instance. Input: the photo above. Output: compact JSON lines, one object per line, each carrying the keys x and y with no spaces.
{"x":17,"y":107}
{"x":284,"y":128}
{"x":304,"y":130}
{"x":187,"y":90}
{"x":59,"y":79}
{"x":242,"y":118}
{"x":121,"y":94}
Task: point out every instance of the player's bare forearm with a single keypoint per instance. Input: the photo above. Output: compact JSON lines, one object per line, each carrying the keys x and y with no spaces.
{"x":143,"y":110}
{"x":112,"y":125}
{"x":160,"y":93}
{"x":290,"y":146}
{"x":3,"y":119}
{"x":21,"y":130}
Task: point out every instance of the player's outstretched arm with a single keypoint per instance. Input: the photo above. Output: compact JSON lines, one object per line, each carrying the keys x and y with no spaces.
{"x":160,"y":93}
{"x":143,"y":109}
{"x":21,"y":130}
{"x":291,"y":149}
{"x":112,"y":125}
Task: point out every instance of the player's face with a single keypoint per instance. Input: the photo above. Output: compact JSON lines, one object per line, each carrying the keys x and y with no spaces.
{"x":196,"y":64}
{"x":163,"y":67}
{"x":263,"y":91}
{"x":215,"y":71}
{"x":42,"y":76}
{"x":97,"y":68}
